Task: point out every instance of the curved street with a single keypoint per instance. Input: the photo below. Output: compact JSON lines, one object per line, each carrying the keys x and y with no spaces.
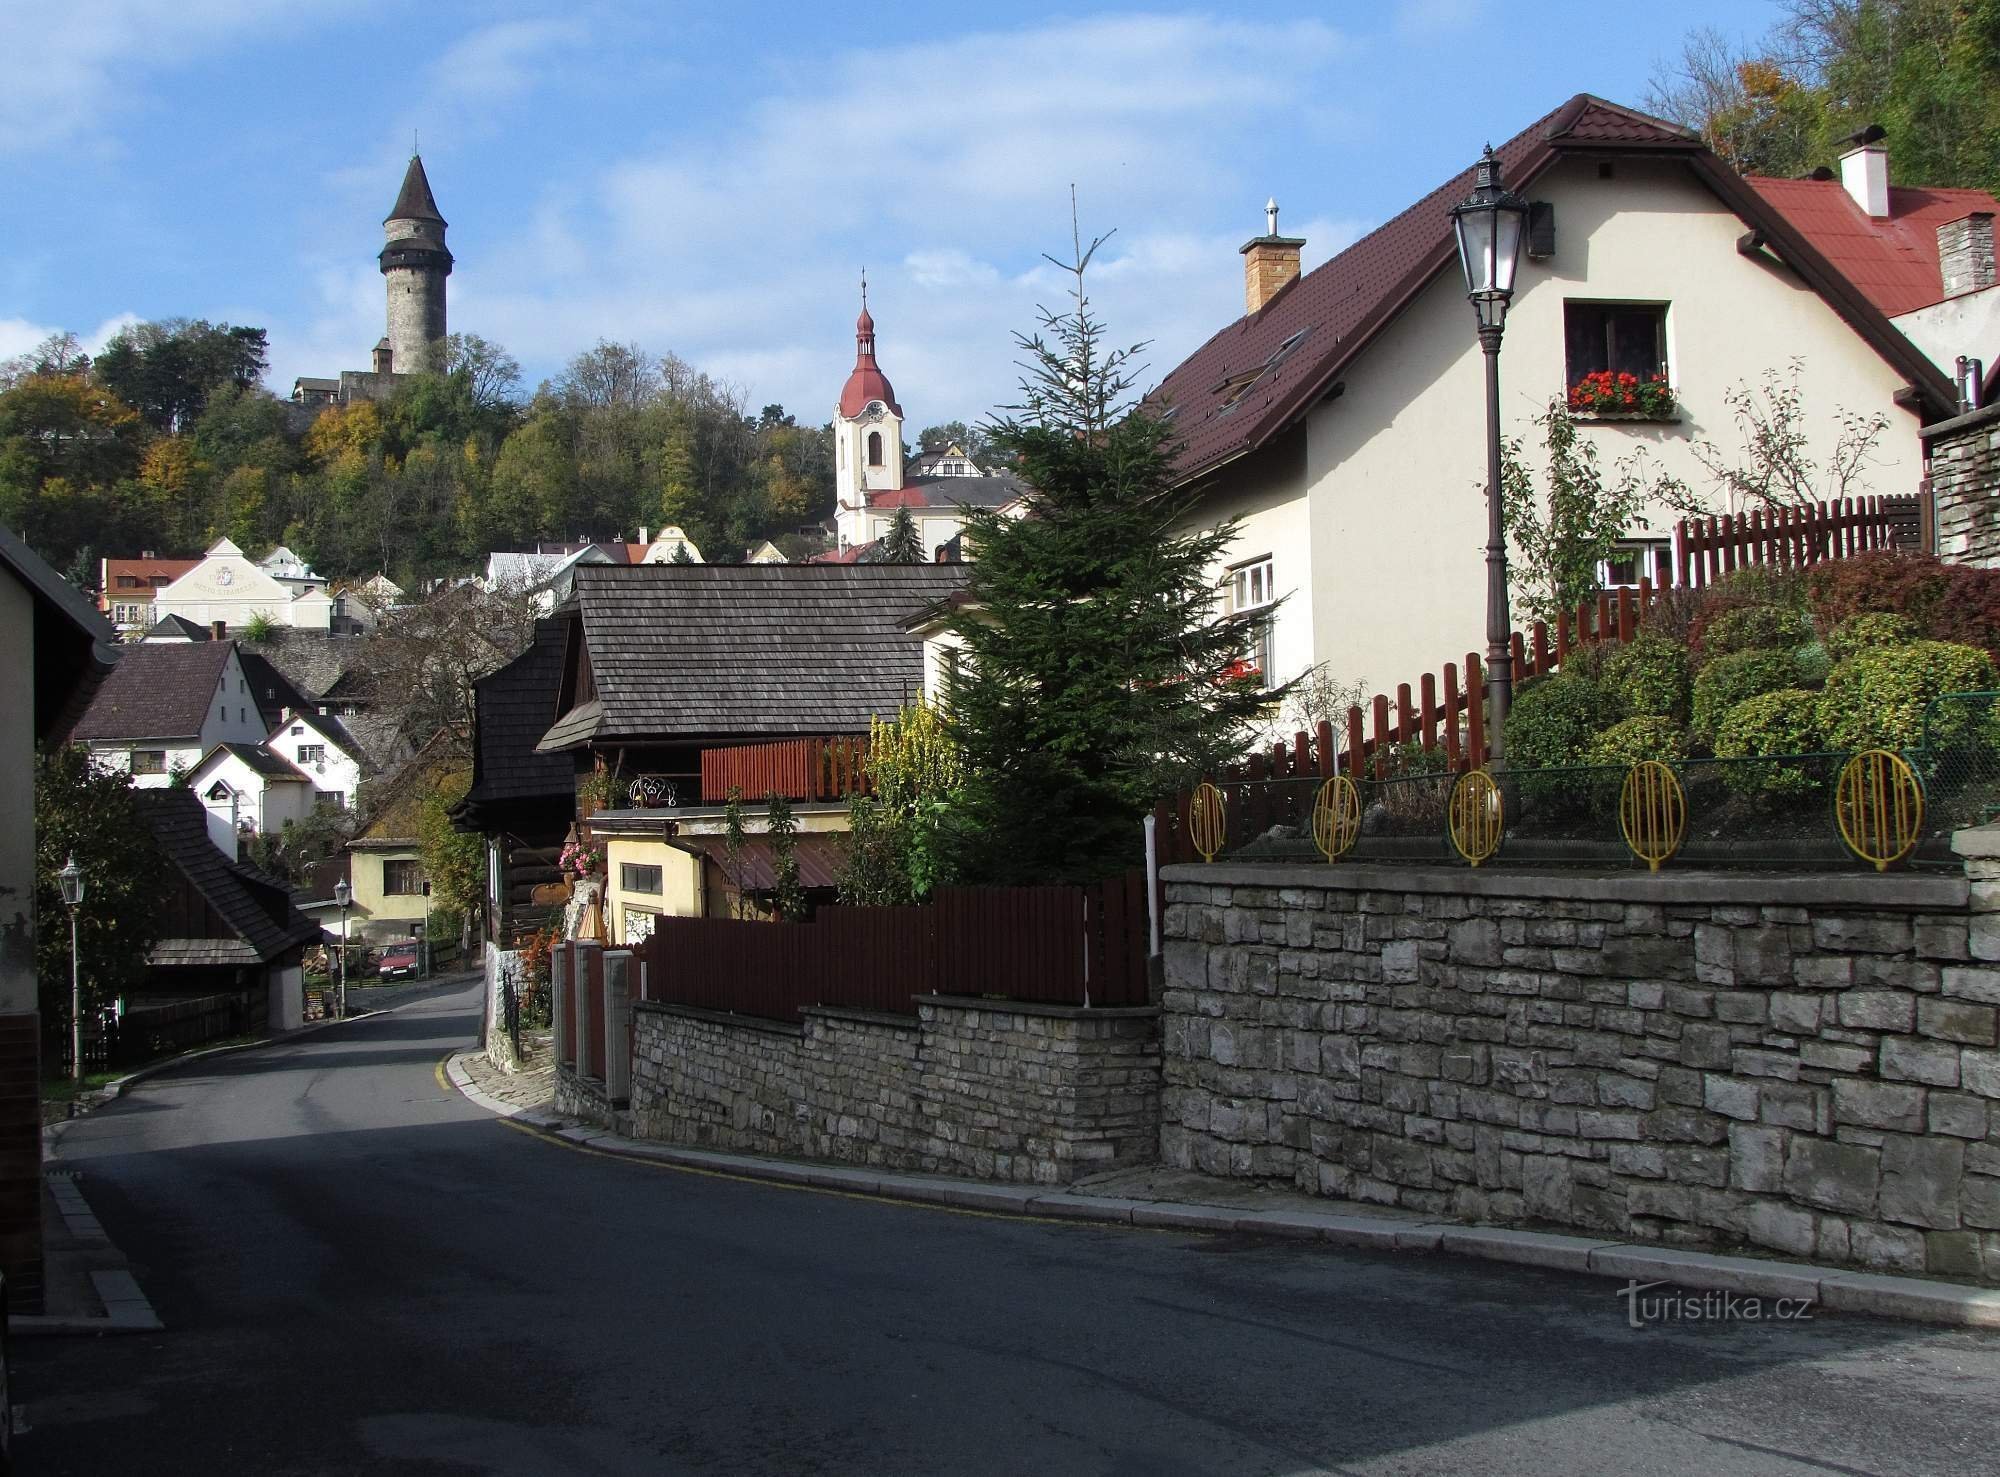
{"x":360,"y":1271}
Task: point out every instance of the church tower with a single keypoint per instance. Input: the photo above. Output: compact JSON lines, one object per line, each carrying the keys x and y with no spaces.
{"x":867,"y":434}
{"x":416,"y":263}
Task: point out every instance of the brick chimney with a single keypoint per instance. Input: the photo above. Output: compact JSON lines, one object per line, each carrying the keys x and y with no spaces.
{"x":1269,"y":262}
{"x":1965,"y":254}
{"x":1864,"y":171}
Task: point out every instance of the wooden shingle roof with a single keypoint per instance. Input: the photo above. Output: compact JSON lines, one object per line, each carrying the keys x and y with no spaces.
{"x":256,"y":908}
{"x":515,"y":706}
{"x":680,"y":652}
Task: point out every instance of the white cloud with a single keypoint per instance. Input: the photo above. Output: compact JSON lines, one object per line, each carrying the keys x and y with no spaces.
{"x":944,"y":167}
{"x":500,"y":62}
{"x":68,"y":64}
{"x":17,"y":335}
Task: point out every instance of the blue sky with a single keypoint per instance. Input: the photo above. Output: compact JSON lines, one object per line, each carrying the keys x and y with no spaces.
{"x":711,"y":180}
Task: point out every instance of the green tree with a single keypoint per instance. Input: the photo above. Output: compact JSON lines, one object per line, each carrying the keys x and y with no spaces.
{"x":788,"y":897}
{"x":1096,"y":663}
{"x":453,"y":860}
{"x":84,"y":813}
{"x":168,"y":371}
{"x":904,"y":542}
{"x":1561,"y":535}
{"x":895,"y":848}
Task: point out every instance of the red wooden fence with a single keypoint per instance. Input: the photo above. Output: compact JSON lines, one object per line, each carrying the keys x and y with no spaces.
{"x":1707,"y":549}
{"x":798,"y":769}
{"x":1061,"y":945}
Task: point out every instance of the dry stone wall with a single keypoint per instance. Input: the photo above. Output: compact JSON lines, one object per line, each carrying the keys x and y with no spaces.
{"x":1803,"y":1065}
{"x":1965,"y":486}
{"x":1034,"y":1094}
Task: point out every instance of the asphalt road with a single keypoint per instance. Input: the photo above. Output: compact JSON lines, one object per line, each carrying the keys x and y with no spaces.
{"x":362,"y":1272}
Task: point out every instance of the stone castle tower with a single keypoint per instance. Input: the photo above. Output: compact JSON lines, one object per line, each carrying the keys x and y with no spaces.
{"x":416,"y":263}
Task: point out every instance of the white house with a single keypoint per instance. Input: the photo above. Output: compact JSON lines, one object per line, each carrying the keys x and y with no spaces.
{"x":324,"y":753}
{"x":1342,"y":417}
{"x":248,"y":791}
{"x":166,"y":705}
{"x":228,"y":587}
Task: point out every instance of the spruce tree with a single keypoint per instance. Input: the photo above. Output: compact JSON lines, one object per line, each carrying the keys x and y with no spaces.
{"x":904,"y":542}
{"x":1097,"y":662}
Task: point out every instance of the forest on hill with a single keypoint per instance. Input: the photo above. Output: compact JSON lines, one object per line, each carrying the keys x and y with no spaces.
{"x":167,"y":439}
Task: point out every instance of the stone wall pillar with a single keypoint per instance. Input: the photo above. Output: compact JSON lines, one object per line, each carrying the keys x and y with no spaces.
{"x":621,"y":972}
{"x":563,"y":1003}
{"x":589,"y":1009}
{"x":1964,"y":455}
{"x":285,"y":998}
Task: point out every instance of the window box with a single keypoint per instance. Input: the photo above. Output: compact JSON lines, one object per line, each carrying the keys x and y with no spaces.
{"x":1607,"y":396}
{"x":1615,"y":361}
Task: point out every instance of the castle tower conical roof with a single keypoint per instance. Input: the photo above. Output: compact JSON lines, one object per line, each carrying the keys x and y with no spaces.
{"x":414,"y":201}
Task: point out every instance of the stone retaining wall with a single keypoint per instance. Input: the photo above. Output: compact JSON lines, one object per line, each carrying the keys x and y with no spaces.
{"x":1806,"y":1065}
{"x":1035,"y":1094}
{"x":1965,"y":486}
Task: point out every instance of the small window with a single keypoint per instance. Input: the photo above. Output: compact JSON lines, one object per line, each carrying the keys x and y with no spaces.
{"x":874,"y":448}
{"x":149,"y":761}
{"x":1619,"y":338}
{"x":331,"y":800}
{"x":402,"y":879}
{"x":1250,"y":585}
{"x":298,"y":730}
{"x":1632,"y":560}
{"x":312,"y":753}
{"x":634,"y":878}
{"x":218,"y":791}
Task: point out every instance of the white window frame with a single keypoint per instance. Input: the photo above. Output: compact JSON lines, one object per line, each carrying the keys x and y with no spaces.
{"x":1249,"y":585}
{"x":1655,"y":556}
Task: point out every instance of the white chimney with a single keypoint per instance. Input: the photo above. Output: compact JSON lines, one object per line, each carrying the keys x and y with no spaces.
{"x":643,"y":532}
{"x":1864,"y":172}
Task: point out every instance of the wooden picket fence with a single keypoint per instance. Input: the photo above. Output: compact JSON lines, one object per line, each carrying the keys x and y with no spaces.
{"x":1709,"y":549}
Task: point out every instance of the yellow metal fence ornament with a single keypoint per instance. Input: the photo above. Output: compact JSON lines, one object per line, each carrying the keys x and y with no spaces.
{"x":1478,"y":816}
{"x":1652,"y":812}
{"x":1208,"y":825}
{"x":1337,"y":817}
{"x":1878,"y":803}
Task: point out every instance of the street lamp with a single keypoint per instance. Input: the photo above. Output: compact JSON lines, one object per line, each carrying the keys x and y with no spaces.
{"x":71,"y":880}
{"x":342,"y":896}
{"x":1489,"y":224}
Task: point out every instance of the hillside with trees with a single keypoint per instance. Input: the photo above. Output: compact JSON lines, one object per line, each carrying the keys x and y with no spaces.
{"x":1927,"y":71}
{"x":168,"y":440}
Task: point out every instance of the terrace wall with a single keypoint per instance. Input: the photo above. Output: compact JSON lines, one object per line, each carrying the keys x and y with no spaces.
{"x":1038,"y":1094}
{"x":1965,"y":483}
{"x":1806,"y":1065}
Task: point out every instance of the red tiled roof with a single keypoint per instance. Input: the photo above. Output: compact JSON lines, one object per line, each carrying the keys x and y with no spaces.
{"x":1893,"y":261}
{"x":1259,"y":374}
{"x":144,"y":570}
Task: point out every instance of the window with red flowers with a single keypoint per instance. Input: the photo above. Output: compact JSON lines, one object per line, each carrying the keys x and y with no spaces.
{"x":1617,"y":358}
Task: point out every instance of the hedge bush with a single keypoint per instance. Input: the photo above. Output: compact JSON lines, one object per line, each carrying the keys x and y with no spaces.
{"x":1945,"y":602}
{"x":1643,"y":736}
{"x":1870,"y":628}
{"x":1877,"y":697}
{"x":1648,"y":677}
{"x":1553,"y":720}
{"x":1772,"y":723}
{"x":1813,"y":663}
{"x":1752,"y":628}
{"x":1732,"y":679}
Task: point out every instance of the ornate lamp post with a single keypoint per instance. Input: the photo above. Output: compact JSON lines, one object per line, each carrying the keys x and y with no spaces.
{"x":342,"y":896}
{"x":71,"y":880}
{"x":1489,"y":224}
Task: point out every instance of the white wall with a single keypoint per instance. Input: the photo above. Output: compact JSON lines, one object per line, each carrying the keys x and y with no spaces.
{"x":1968,"y":324}
{"x":1262,"y":492}
{"x":340,"y":772}
{"x":1396,"y":465}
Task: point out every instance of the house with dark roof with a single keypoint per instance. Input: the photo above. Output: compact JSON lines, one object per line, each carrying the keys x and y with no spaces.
{"x":1924,"y":255}
{"x":248,"y":790}
{"x":1341,"y":418}
{"x":521,"y":800}
{"x":681,"y":682}
{"x":164,"y":706}
{"x":58,"y":647}
{"x":226,"y":928}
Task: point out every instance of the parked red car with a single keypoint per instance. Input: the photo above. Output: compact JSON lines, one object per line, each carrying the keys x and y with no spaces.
{"x":400,"y":960}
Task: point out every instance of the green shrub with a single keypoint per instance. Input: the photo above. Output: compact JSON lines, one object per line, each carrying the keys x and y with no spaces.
{"x":1870,"y":628}
{"x":1643,"y":736}
{"x":1648,"y":677}
{"x":1772,"y":723}
{"x":1729,"y":680}
{"x":1877,"y":697}
{"x":1752,"y":628}
{"x":1813,"y":664}
{"x":1553,"y":720}
{"x":1761,"y":584}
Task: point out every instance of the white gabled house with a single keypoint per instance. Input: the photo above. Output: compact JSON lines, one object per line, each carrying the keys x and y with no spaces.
{"x":1342,"y":417}
{"x":324,"y":753}
{"x":166,"y":705}
{"x":228,"y":586}
{"x":248,"y":791}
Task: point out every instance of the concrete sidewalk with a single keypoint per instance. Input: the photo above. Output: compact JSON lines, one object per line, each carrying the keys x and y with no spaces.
{"x":1156,"y":1197}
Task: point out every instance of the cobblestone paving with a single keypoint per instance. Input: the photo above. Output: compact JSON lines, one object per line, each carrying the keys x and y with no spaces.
{"x":533,"y":1086}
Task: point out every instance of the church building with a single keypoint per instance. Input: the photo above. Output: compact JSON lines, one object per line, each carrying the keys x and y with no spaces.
{"x":871,"y":481}
{"x":415,"y":262}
